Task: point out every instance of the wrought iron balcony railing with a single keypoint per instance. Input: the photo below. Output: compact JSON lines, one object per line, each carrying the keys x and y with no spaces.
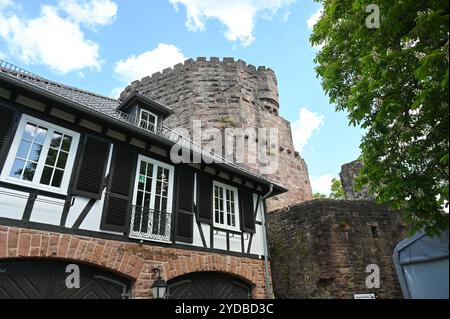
{"x":149,"y":224}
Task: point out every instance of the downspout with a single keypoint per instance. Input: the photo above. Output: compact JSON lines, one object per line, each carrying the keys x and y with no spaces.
{"x":265,"y":245}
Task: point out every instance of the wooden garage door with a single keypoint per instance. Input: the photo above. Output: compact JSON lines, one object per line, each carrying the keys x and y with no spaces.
{"x":208,"y":285}
{"x":39,"y":279}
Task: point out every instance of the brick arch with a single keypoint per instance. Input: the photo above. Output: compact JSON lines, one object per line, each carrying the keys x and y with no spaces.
{"x":128,"y":259}
{"x":105,"y":254}
{"x":201,"y":262}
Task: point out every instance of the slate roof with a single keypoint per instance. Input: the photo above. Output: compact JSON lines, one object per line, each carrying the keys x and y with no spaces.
{"x":86,"y":98}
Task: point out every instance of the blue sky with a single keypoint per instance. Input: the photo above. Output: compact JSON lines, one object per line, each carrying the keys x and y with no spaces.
{"x":102,"y":45}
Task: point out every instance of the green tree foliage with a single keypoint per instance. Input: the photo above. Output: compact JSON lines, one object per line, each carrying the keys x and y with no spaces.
{"x":319,"y":196}
{"x":337,"y":191}
{"x":393,"y":82}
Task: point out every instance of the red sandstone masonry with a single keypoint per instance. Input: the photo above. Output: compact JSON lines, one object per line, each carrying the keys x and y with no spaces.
{"x":128,"y":259}
{"x":246,"y":96}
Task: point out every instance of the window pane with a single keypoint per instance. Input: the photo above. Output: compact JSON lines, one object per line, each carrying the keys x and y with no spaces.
{"x":29,"y":132}
{"x":216,"y":217}
{"x":17,"y":168}
{"x":139,"y":198}
{"x":56,"y":140}
{"x":160,"y":173}
{"x":57,"y":178}
{"x":148,"y":185}
{"x":151,"y":119}
{"x":144,"y":116}
{"x":149,"y":170}
{"x":35,"y":152}
{"x":165,"y":189}
{"x":62,"y":160}
{"x":141,"y":182}
{"x":147,"y":200}
{"x":158,"y":187}
{"x":67,"y":142}
{"x":40,"y":135}
{"x":158,"y":203}
{"x":24,"y":148}
{"x":51,"y":157}
{"x":28,"y":173}
{"x":143,"y":168}
{"x":164,"y":204}
{"x":46,"y":175}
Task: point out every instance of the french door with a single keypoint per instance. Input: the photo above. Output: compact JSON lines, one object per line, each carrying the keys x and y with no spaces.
{"x":152,"y":200}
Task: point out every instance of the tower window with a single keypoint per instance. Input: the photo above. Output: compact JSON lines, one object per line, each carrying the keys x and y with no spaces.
{"x":374,"y":230}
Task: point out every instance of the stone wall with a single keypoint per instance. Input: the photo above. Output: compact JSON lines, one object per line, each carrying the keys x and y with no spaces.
{"x":131,"y":260}
{"x":231,"y":94}
{"x":348,"y":174}
{"x":320,"y":249}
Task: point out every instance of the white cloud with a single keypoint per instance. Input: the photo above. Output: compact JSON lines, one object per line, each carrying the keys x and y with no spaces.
{"x":55,"y":39}
{"x":238,"y":16}
{"x":90,"y":12}
{"x":312,"y":20}
{"x":304,"y":127}
{"x":115,"y":93}
{"x":5,"y":3}
{"x":149,"y":62}
{"x":322,"y":184}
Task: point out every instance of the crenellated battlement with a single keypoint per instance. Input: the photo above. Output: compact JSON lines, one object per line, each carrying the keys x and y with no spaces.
{"x":266,"y":84}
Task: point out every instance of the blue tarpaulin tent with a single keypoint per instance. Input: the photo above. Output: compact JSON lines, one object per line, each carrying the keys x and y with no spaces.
{"x":421,"y":263}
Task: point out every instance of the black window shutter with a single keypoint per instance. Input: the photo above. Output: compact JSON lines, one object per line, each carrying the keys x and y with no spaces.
{"x":185,"y":189}
{"x":117,"y":205}
{"x":204,"y":198}
{"x":7,"y":123}
{"x":185,"y":205}
{"x":248,"y":210}
{"x":92,"y":168}
{"x":184,"y":227}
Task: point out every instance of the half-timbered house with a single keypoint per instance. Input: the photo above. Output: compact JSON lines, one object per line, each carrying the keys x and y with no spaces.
{"x":87,"y":180}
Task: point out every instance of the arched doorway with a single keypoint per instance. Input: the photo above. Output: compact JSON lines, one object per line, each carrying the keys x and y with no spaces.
{"x":46,"y":279}
{"x":208,"y":285}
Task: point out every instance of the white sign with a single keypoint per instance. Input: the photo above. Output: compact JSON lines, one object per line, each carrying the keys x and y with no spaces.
{"x":364,"y":296}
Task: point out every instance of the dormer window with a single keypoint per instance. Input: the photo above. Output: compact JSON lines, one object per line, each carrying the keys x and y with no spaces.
{"x":148,"y":120}
{"x":145,"y":112}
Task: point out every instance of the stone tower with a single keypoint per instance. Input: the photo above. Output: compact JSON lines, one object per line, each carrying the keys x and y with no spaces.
{"x":230,"y":93}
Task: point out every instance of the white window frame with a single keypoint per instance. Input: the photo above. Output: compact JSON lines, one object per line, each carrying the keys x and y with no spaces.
{"x":156,"y":164}
{"x":148,"y":113}
{"x":153,"y":187}
{"x":236,"y":207}
{"x":4,"y":177}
